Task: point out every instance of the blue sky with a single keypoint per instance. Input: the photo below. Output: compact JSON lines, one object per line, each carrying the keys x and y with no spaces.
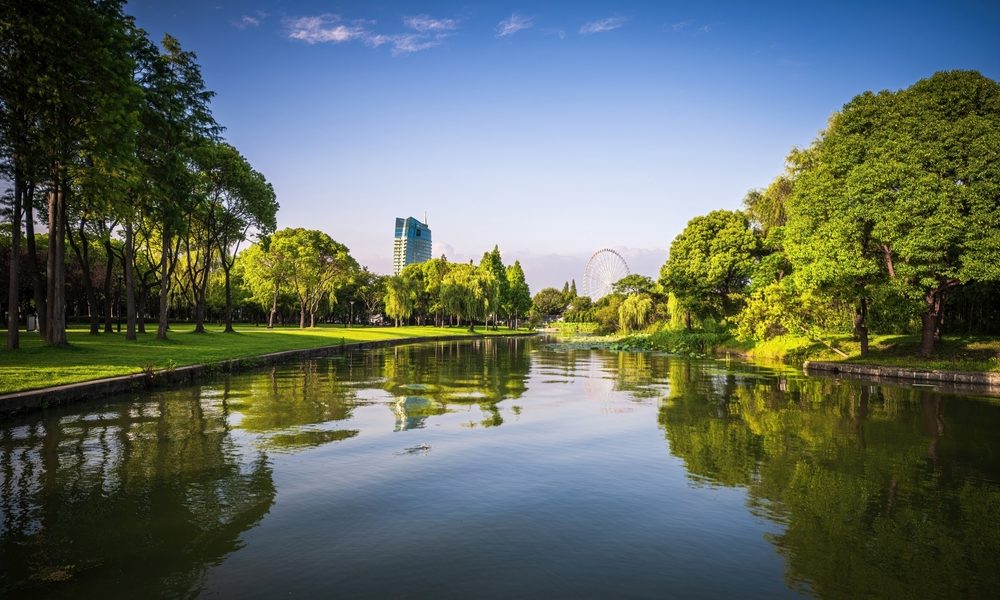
{"x":550,"y":128}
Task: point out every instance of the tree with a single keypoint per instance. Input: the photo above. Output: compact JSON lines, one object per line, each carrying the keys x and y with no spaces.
{"x":915,"y":172}
{"x":434,"y":271}
{"x":633,"y":313}
{"x":400,"y":297}
{"x":519,"y":295}
{"x":64,"y":118}
{"x":634,"y":284}
{"x":711,"y":262}
{"x":241,"y":201}
{"x":498,"y":289}
{"x":265,"y":272}
{"x":317,"y":266}
{"x":371,"y":290}
{"x":176,"y":122}
{"x":463,"y":293}
{"x":549,"y":301}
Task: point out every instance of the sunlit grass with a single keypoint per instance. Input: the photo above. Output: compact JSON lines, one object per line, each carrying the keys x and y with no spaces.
{"x":953,"y":353}
{"x":107,"y":355}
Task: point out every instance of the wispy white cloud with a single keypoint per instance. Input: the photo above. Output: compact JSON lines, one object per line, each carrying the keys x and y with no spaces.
{"x":325,"y":28}
{"x":514,"y":24}
{"x":428,"y":24}
{"x":410,"y":42}
{"x":680,"y":25}
{"x":246,"y":22}
{"x":705,"y":28}
{"x":427,"y":32}
{"x":602,"y":25}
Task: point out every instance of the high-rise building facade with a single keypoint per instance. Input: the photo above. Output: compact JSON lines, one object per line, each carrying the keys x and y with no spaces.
{"x":412,"y":243}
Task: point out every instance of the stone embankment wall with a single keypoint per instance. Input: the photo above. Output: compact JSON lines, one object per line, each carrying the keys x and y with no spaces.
{"x":957,"y":380}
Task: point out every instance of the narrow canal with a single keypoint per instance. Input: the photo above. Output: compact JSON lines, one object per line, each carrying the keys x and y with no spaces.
{"x":506,"y":468}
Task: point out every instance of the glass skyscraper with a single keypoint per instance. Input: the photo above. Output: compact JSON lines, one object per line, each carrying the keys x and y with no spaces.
{"x":412,"y":243}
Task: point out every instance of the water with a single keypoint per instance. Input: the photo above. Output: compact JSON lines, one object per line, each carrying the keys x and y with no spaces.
{"x":506,"y":469}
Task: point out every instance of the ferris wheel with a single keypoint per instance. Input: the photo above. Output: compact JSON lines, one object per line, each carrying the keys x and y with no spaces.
{"x":603,"y":269}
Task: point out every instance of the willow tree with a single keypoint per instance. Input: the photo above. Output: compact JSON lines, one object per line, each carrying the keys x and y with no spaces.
{"x":633,"y":313}
{"x":463,"y":294}
{"x":400,"y":297}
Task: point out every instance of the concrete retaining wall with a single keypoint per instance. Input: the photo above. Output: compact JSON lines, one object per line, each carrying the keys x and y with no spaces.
{"x":964,"y":380}
{"x":31,"y":400}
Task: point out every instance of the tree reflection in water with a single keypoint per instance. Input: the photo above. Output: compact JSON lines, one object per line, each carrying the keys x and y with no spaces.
{"x":881,"y":491}
{"x":454,"y":374}
{"x":884,"y":491}
{"x":162,"y":478}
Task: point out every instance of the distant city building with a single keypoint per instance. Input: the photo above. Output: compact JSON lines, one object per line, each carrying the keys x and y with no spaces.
{"x":412,"y":243}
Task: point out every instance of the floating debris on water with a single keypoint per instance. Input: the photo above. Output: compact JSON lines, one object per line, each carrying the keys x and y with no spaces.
{"x":418,"y":449}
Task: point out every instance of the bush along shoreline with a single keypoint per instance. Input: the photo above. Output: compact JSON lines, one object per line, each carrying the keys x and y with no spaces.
{"x":956,"y":353}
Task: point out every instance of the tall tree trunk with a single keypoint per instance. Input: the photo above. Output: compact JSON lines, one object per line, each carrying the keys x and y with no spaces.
{"x":38,"y":277}
{"x":14,"y":287}
{"x":141,"y":310}
{"x":302,"y":315}
{"x":929,"y":322}
{"x":229,"y":299}
{"x":861,"y":326}
{"x":128,"y":255}
{"x":161,"y":328}
{"x":56,"y":284}
{"x":274,"y":309}
{"x":109,"y":275}
{"x":81,"y":248}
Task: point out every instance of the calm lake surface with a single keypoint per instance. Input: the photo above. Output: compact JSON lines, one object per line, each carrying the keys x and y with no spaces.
{"x":506,"y":468}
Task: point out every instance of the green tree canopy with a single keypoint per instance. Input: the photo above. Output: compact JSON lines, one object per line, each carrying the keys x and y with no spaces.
{"x":711,"y":262}
{"x":903,"y":190}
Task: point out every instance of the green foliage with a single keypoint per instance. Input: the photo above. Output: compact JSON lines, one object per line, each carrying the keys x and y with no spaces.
{"x":898,"y":197}
{"x":580,"y":310}
{"x":711,"y":262}
{"x":605,"y":313}
{"x":315,"y":265}
{"x":401,"y":293}
{"x":634,"y":313}
{"x":550,"y":301}
{"x":519,"y":295}
{"x":634,"y":284}
{"x":683,"y":342}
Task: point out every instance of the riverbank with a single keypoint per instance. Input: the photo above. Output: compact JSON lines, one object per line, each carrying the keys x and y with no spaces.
{"x":89,"y":357}
{"x":957,"y":380}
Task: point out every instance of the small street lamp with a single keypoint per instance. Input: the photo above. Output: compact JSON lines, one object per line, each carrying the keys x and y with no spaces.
{"x":351,"y":322}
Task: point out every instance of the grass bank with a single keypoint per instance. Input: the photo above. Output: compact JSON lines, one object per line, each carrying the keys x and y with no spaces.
{"x":954,"y":353}
{"x":90,"y":357}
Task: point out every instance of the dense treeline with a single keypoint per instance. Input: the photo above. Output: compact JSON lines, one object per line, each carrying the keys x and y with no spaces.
{"x":443,"y":292}
{"x":108,"y":141}
{"x":889,"y":221}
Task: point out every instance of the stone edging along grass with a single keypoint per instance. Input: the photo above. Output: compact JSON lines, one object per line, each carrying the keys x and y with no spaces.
{"x":965,"y":380}
{"x":31,"y":400}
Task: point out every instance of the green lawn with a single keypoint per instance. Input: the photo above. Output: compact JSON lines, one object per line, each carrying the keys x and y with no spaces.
{"x":954,"y":353}
{"x":95,"y":356}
